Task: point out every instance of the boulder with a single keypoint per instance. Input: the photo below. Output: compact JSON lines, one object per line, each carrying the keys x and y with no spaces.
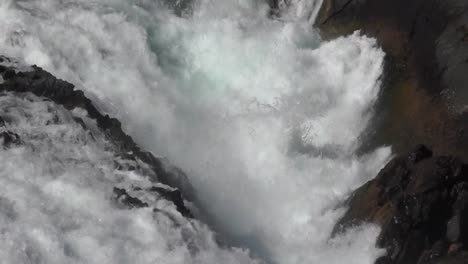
{"x":124,"y":198}
{"x":8,"y":138}
{"x":421,"y":203}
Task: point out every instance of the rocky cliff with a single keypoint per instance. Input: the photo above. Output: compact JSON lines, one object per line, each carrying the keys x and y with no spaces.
{"x":419,"y":199}
{"x":421,"y":203}
{"x":424,"y":93}
{"x":43,"y":84}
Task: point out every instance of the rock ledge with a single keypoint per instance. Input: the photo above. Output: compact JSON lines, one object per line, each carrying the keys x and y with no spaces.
{"x":421,"y":203}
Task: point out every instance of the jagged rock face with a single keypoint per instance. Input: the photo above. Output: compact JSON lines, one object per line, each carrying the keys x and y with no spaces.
{"x":74,"y":188}
{"x":421,"y":203}
{"x":425,"y":72}
{"x":43,"y":84}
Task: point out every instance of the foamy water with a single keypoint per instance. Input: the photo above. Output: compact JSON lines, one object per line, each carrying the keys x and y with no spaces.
{"x":263,"y":116}
{"x":56,"y":198}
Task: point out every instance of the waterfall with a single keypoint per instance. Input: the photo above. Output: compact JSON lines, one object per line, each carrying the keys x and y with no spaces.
{"x":263,"y":116}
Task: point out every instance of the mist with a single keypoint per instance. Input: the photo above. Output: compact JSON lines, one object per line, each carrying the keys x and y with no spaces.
{"x":263,"y":116}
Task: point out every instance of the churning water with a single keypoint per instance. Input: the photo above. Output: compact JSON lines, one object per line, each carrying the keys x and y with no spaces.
{"x":263,"y":116}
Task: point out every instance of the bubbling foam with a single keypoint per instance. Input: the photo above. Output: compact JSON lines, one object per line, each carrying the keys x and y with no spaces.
{"x":56,"y":206}
{"x":263,"y":115}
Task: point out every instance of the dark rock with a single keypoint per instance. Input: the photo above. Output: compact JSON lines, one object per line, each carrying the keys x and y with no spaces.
{"x":454,"y":228}
{"x":424,"y":84}
{"x":436,"y":252}
{"x":456,"y":258}
{"x":125,"y":199}
{"x":181,"y":7}
{"x":176,"y":197}
{"x":383,"y":260}
{"x":420,"y":201}
{"x":276,"y":6}
{"x":419,"y":153}
{"x":44,"y":84}
{"x":9,"y":138}
{"x":8,"y":74}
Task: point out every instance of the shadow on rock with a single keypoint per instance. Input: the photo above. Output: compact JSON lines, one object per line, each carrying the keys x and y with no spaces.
{"x":421,"y":203}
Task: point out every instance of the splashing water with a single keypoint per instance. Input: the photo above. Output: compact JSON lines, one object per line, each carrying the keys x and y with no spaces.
{"x":263,"y":116}
{"x":55,"y":198}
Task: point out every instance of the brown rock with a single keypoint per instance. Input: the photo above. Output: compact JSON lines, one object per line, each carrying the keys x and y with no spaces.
{"x":424,"y":94}
{"x":420,"y":202}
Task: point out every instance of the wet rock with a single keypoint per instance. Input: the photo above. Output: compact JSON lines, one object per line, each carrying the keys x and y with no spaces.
{"x":7,"y":139}
{"x":181,"y":7}
{"x":176,"y":197}
{"x":424,"y":84}
{"x":8,"y":74}
{"x":456,"y":258}
{"x":454,"y":228}
{"x":420,"y":201}
{"x":43,"y":84}
{"x":419,"y":153}
{"x":436,"y":252}
{"x":122,"y":196}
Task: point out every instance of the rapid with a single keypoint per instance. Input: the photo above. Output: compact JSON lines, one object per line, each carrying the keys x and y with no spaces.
{"x":265,"y":118}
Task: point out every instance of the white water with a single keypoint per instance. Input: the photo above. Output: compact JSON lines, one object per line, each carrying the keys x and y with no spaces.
{"x":55,"y":202}
{"x":263,"y":116}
